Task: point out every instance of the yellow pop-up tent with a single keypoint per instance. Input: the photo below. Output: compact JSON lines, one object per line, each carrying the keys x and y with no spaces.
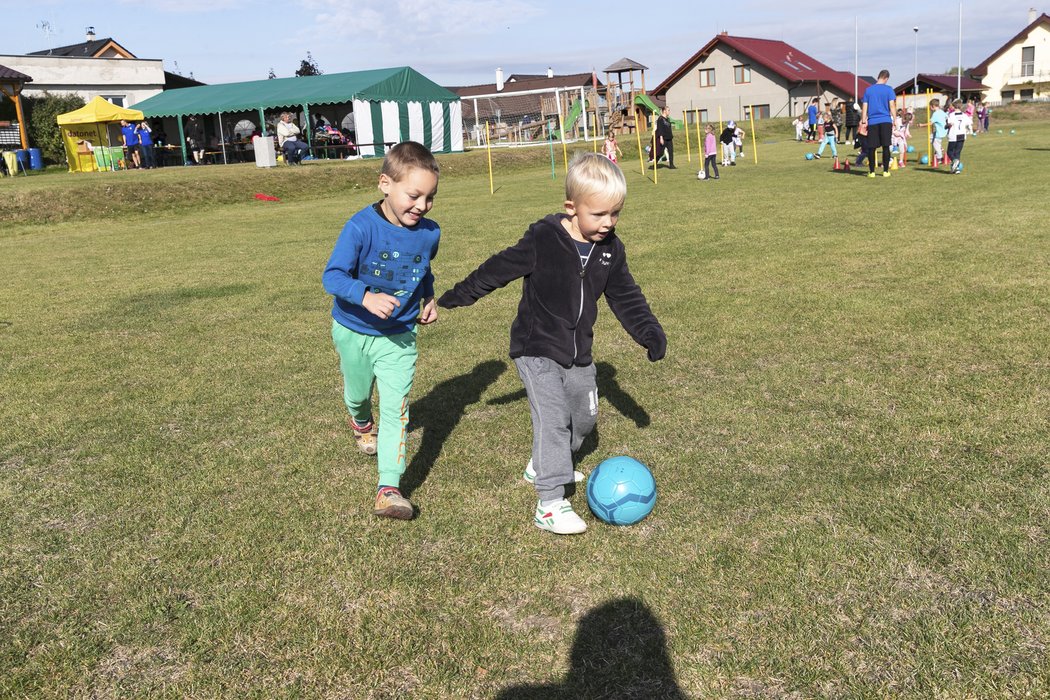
{"x":83,"y":128}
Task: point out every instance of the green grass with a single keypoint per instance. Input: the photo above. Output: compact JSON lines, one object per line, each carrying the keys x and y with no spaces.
{"x":849,"y":435}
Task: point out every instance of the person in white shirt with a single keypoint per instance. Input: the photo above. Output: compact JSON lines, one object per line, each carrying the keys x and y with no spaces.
{"x":288,"y":136}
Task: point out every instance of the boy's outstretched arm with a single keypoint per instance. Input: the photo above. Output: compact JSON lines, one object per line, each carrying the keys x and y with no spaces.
{"x":631,"y":309}
{"x":496,"y":272}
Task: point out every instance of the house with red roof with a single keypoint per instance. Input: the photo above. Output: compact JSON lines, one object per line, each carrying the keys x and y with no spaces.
{"x":1020,"y":68}
{"x":733,"y":73}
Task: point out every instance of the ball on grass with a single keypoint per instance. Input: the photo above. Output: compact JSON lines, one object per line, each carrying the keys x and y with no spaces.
{"x":809,"y":156}
{"x":701,"y":175}
{"x":925,"y":160}
{"x":911,"y":149}
{"x":621,"y":491}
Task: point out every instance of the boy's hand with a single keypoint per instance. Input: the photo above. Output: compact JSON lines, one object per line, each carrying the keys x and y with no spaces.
{"x":382,"y":305}
{"x":429,"y":312}
{"x":655,"y":343}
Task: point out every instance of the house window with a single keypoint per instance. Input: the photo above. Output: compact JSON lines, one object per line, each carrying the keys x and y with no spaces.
{"x":1027,"y":94}
{"x":707,"y":77}
{"x":117,"y":100}
{"x":1027,"y":61}
{"x":742,"y":74}
{"x":1008,"y":95}
{"x":761,"y":111}
{"x":695,"y":116}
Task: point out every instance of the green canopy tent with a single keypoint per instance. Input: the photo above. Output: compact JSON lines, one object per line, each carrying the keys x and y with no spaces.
{"x":389,"y":105}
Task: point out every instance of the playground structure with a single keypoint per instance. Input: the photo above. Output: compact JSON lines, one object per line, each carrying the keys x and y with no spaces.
{"x":629,"y":105}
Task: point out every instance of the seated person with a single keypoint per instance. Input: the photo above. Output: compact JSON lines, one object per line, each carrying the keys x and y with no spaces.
{"x":288,"y":134}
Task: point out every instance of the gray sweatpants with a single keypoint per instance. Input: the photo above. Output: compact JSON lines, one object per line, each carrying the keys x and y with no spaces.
{"x":564,"y":407}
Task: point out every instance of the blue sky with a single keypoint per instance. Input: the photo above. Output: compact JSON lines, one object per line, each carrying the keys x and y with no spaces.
{"x":461,"y":42}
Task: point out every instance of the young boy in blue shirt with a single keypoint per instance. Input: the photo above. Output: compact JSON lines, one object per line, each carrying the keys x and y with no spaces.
{"x":379,"y":275}
{"x":568,"y":261}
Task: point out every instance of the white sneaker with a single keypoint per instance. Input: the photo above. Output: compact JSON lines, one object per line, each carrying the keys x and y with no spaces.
{"x":530,"y":474}
{"x":559,"y":518}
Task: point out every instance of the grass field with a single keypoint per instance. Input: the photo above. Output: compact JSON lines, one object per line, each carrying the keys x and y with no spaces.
{"x":850,"y":436}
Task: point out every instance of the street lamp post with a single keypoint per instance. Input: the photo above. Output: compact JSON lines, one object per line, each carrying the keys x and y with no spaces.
{"x":916,"y":30}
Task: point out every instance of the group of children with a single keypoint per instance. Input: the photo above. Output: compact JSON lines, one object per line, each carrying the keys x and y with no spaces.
{"x":380,"y":277}
{"x":731,"y":139}
{"x":953,"y":126}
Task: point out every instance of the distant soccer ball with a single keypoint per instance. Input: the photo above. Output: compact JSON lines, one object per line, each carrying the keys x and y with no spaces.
{"x":809,"y":156}
{"x":911,"y":149}
{"x":960,"y":167}
{"x":701,"y":175}
{"x":1013,"y":131}
{"x":924,"y":160}
{"x":621,"y":491}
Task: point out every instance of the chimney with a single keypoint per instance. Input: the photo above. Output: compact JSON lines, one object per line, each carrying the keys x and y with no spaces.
{"x":550,"y":72}
{"x":1032,"y":14}
{"x":499,"y":80}
{"x":90,"y":33}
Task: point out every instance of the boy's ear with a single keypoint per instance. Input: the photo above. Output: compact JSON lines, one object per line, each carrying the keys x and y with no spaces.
{"x":384,"y":183}
{"x":570,"y":207}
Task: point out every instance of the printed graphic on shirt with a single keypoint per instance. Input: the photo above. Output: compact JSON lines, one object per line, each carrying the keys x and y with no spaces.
{"x":392,"y":272}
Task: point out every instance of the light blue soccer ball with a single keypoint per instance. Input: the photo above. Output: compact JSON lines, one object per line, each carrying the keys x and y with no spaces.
{"x":959,"y":169}
{"x":911,"y":149}
{"x":621,"y":491}
{"x":809,"y":156}
{"x":925,"y":160}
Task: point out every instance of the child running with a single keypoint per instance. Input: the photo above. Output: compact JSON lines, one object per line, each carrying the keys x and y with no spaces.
{"x":831,"y":136}
{"x":726,"y":139}
{"x":567,"y":262}
{"x":959,"y":124}
{"x":612,"y":149}
{"x":379,"y":275}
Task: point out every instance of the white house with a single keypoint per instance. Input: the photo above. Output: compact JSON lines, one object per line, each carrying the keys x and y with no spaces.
{"x":99,"y":67}
{"x":1020,"y":69}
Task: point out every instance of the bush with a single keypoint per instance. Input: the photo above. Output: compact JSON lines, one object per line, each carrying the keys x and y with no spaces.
{"x":41,"y":118}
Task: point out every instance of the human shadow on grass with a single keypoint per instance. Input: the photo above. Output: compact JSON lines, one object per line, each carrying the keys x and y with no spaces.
{"x":620,"y":651}
{"x":439,"y":412}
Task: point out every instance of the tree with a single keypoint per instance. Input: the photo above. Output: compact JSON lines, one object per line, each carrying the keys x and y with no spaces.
{"x":42,"y":123}
{"x":954,"y":70}
{"x":271,"y":75}
{"x":308,"y":66}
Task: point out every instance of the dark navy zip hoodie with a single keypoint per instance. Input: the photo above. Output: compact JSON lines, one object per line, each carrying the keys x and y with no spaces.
{"x":559,"y":300}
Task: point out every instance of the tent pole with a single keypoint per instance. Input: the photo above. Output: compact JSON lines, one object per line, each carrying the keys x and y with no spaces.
{"x":262,"y":123}
{"x":182,"y":138}
{"x":222,"y":141}
{"x":309,"y":130}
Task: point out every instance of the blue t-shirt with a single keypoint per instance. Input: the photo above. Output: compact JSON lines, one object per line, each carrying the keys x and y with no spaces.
{"x":812,"y":112}
{"x":939,"y":121}
{"x":144,"y":136}
{"x":878,"y":98}
{"x":130,"y":137}
{"x":374,"y":255}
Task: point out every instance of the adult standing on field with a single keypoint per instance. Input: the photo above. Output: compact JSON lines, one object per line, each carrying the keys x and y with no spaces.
{"x":664,"y":137}
{"x":877,"y":110}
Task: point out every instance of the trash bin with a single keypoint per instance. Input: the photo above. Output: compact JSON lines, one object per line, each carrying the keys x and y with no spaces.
{"x":22,"y":156}
{"x":265,"y":152}
{"x":36,"y":159}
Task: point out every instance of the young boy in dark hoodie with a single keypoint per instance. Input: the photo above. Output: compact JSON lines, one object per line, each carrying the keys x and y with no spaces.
{"x":568,"y":261}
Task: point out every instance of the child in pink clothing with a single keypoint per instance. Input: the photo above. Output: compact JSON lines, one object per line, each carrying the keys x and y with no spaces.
{"x":612,"y":149}
{"x":710,"y":151}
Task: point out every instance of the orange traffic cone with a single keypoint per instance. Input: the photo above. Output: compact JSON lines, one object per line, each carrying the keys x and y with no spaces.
{"x":836,"y":166}
{"x":845,"y":165}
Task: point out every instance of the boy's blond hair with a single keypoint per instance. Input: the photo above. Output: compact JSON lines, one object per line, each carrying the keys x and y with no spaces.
{"x":407,"y":155}
{"x":935,"y":102}
{"x":590,"y":175}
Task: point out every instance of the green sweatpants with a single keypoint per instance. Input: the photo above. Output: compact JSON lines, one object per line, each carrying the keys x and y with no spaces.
{"x":387,"y":363}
